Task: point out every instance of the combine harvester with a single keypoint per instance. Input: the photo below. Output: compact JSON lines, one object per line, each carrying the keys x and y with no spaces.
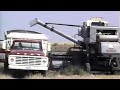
{"x":99,"y":50}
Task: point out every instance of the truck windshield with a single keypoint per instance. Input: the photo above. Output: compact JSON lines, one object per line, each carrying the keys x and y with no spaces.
{"x":27,"y":46}
{"x":97,"y":24}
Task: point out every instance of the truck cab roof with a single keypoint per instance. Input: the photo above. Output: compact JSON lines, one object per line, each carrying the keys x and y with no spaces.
{"x":24,"y":34}
{"x":27,"y":40}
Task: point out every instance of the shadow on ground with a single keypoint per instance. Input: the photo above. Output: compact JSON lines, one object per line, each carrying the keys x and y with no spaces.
{"x":20,"y":74}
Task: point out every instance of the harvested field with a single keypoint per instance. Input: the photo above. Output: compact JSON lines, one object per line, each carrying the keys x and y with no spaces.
{"x":56,"y":75}
{"x":62,"y":74}
{"x":61,"y":47}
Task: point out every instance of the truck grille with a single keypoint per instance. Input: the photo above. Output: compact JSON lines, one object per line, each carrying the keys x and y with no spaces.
{"x":28,"y":60}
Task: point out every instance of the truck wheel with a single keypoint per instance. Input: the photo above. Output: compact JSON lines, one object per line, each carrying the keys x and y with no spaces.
{"x":50,"y":65}
{"x":87,"y":67}
{"x":5,"y":66}
{"x":18,"y":73}
{"x":43,"y":73}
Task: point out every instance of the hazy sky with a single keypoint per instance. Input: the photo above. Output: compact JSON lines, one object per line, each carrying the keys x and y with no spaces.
{"x":10,"y":20}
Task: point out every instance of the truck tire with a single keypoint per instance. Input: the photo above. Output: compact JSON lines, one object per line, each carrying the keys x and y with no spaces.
{"x":50,"y":65}
{"x":43,"y":73}
{"x":87,"y":67}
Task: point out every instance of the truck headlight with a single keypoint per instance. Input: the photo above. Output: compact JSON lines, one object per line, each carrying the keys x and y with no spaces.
{"x":44,"y":61}
{"x":12,"y":60}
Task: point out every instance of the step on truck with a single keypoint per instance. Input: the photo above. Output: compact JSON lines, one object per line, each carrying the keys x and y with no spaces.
{"x":25,"y":50}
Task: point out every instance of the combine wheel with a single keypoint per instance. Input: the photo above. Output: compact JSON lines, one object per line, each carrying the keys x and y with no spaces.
{"x":87,"y":67}
{"x":112,"y":72}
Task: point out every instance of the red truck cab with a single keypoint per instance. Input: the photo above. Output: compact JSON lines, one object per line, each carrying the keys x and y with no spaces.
{"x":26,"y":55}
{"x":26,"y":47}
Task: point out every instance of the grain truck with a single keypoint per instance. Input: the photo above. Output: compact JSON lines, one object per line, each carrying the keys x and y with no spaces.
{"x":25,"y":50}
{"x":100,"y":48}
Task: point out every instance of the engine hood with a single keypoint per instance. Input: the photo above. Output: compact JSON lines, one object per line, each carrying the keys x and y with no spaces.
{"x":26,"y":52}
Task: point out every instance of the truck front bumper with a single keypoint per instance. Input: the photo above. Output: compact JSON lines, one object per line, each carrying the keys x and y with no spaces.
{"x":28,"y":67}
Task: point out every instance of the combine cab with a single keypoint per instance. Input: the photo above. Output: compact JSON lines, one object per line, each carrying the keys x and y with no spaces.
{"x":100,"y":48}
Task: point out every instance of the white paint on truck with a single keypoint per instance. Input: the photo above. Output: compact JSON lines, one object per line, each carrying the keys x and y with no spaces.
{"x":38,"y":62}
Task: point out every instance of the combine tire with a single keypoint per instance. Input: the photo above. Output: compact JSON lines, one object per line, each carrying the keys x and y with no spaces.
{"x":87,"y":67}
{"x":112,"y":72}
